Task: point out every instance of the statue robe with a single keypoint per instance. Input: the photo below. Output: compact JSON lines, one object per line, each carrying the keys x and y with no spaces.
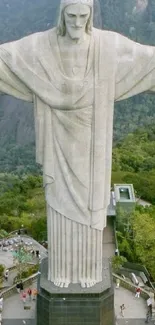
{"x":122,"y":68}
{"x":74,"y":124}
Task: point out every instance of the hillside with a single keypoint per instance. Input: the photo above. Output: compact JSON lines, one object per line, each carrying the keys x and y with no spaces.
{"x":22,"y":17}
{"x":134,"y":162}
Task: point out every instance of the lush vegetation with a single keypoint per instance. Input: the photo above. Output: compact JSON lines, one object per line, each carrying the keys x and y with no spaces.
{"x":2,"y":268}
{"x":134,"y":162}
{"x":22,"y":204}
{"x":135,"y":234}
{"x":118,"y":262}
{"x":19,"y":159}
{"x":26,"y":271}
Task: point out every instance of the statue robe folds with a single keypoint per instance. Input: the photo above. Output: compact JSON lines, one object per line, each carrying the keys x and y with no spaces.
{"x":74,"y":125}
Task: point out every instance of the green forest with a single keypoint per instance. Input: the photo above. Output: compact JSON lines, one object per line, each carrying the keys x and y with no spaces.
{"x":22,"y":204}
{"x":135,"y":235}
{"x":134,"y":162}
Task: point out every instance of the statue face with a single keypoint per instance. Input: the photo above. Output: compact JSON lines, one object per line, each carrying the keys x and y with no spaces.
{"x":76,"y":17}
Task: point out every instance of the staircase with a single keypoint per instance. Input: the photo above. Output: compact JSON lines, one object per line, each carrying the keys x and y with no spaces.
{"x":108,"y":239}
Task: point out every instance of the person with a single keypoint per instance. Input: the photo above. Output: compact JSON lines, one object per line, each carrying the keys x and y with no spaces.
{"x":21,"y":285}
{"x":29,"y":291}
{"x":73,"y":74}
{"x":1,"y":303}
{"x":149,"y":302}
{"x":34,"y":293}
{"x":18,"y":287}
{"x":117,"y":283}
{"x":149,"y":314}
{"x":138,"y":291}
{"x":122,"y":308}
{"x":116,"y":252}
{"x":24,"y":295}
{"x":147,"y":317}
{"x":149,"y":310}
{"x":6,"y":275}
{"x":37,"y":253}
{"x":1,"y":308}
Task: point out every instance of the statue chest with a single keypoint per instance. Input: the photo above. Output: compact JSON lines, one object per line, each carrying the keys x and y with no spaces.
{"x":74,"y":66}
{"x":74,"y":59}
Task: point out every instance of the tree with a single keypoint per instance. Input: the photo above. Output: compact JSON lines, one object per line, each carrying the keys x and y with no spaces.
{"x":39,"y":228}
{"x":144,"y":239}
{"x":21,"y":258}
{"x":118,"y":262}
{"x":3,"y":233}
{"x":2,"y":268}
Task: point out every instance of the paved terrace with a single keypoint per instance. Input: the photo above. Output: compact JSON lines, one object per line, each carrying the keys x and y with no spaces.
{"x":6,"y":258}
{"x":14,"y":307}
{"x":135,"y":309}
{"x":134,"y":314}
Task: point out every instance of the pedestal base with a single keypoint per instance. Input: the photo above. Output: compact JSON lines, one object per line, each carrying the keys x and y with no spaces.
{"x":74,"y":305}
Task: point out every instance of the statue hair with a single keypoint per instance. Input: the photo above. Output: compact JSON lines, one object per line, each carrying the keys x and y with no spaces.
{"x":61,"y":27}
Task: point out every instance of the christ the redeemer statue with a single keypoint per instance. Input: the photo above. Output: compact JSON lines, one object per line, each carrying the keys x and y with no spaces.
{"x":73,"y":73}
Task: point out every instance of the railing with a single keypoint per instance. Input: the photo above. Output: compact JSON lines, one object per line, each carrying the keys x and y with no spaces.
{"x":27,"y":282}
{"x":134,"y":267}
{"x":12,"y":290}
{"x":11,"y":268}
{"x":130,"y":286}
{"x":139,"y":268}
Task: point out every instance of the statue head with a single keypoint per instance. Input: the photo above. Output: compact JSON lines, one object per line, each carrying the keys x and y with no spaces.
{"x":75,"y":17}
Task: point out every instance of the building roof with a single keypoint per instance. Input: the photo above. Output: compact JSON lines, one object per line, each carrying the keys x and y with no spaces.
{"x":124,"y":193}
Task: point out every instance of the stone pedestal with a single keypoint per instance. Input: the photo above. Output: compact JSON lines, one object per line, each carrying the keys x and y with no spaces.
{"x":74,"y":305}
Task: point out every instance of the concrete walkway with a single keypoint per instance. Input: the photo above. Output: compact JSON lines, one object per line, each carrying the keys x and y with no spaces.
{"x":24,"y":321}
{"x":135,"y":308}
{"x":14,"y":307}
{"x":108,"y":240}
{"x":6,"y":258}
{"x":134,"y":314}
{"x":9,"y":282}
{"x":131,"y":322}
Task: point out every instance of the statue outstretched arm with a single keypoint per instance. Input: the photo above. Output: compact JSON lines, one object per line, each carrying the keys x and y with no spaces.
{"x":135,"y":71}
{"x":10,"y":84}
